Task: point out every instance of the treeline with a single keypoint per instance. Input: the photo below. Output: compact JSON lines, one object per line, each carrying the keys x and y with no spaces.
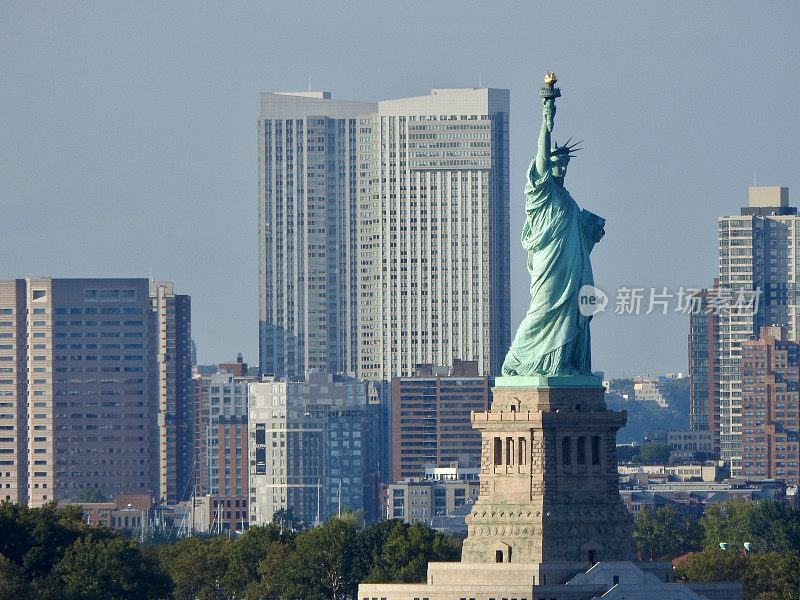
{"x":761,"y":542}
{"x":49,"y":553}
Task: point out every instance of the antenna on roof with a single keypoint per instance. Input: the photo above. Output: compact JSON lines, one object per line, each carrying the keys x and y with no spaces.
{"x":309,"y":83}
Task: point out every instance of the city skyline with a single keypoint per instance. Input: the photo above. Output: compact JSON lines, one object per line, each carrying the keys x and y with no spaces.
{"x":145,"y":175}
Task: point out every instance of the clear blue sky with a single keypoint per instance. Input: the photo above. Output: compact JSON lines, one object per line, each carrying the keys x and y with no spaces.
{"x":129,"y":132}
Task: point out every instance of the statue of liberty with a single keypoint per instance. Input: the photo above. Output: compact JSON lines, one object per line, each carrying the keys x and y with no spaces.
{"x":553,"y":338}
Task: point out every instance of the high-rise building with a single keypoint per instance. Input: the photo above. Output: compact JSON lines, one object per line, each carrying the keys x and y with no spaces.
{"x":704,"y":364}
{"x":80,"y":389}
{"x":307,"y":242}
{"x":171,"y":346}
{"x":89,"y":371}
{"x":431,"y":418}
{"x":770,"y":423}
{"x":759,"y":255}
{"x":310,"y":447}
{"x":201,"y":399}
{"x":434,"y":233}
{"x":222,"y":430}
{"x":383,"y":233}
{"x":14,"y":374}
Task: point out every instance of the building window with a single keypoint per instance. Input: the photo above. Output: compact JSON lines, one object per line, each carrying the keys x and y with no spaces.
{"x":566,"y":451}
{"x":595,"y":450}
{"x":581,"y":450}
{"x":498,"y":451}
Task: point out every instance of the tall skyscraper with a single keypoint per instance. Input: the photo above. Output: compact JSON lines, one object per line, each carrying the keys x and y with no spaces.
{"x":383,"y":232}
{"x":759,"y":252}
{"x":171,"y":321}
{"x":704,"y":364}
{"x":307,"y":242}
{"x":434,"y":233}
{"x":14,"y":373}
{"x":88,"y":370}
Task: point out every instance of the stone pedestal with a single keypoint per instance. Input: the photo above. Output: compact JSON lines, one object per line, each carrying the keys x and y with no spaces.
{"x":549,"y":484}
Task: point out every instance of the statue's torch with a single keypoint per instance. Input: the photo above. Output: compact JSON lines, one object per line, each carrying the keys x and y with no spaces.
{"x":550,"y":92}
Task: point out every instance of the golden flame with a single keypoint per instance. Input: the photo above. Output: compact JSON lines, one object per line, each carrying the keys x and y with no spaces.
{"x":549,"y":78}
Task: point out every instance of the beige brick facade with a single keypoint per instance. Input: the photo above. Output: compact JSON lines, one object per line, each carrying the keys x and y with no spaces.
{"x":549,"y":489}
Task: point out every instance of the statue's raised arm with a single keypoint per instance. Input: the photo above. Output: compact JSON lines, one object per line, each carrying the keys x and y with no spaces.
{"x":543,"y":148}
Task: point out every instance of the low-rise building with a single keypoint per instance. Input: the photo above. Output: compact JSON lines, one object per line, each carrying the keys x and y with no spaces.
{"x":693,"y":498}
{"x":687,"y":444}
{"x":437,"y":499}
{"x":218,"y":514}
{"x":643,"y":474}
{"x":124,"y":511}
{"x":645,"y":389}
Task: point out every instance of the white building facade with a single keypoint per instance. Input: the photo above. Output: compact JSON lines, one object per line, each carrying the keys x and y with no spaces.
{"x":383,"y":232}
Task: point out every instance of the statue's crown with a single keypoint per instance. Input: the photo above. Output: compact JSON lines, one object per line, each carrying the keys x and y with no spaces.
{"x":567,"y":148}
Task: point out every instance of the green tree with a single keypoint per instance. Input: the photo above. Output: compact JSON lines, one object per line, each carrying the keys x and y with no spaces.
{"x":727,"y":522}
{"x":36,"y":538}
{"x":103,"y":568}
{"x":198,"y":567}
{"x":676,"y":393}
{"x":774,"y":527}
{"x":284,"y":518}
{"x":91,"y":494}
{"x":663,"y":533}
{"x":275,"y":572}
{"x":643,"y":416}
{"x":654,"y":453}
{"x":329,"y":562}
{"x":245,"y":553}
{"x":13,"y":583}
{"x":626,"y":454}
{"x":317,"y":565}
{"x":712,"y":565}
{"x":406,"y":552}
{"x":326,"y":554}
{"x":770,"y":576}
{"x":768,"y":525}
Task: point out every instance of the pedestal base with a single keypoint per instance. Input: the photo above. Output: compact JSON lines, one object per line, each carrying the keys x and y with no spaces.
{"x":565,"y":581}
{"x":549,"y":483}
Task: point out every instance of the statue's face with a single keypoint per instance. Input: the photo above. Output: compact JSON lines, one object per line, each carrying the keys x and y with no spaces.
{"x":559,"y":165}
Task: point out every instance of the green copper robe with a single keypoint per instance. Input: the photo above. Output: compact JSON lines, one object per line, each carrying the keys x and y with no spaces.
{"x":553,"y":339}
